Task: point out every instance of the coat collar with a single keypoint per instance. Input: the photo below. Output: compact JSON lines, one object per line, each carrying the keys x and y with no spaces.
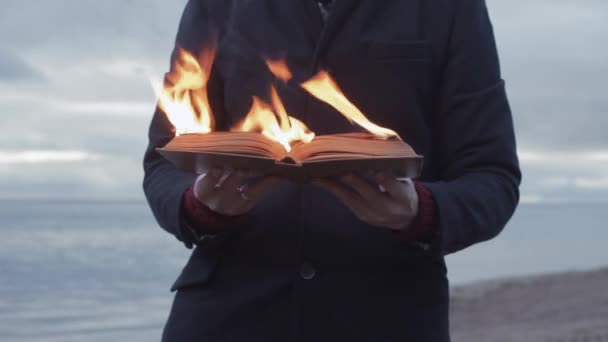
{"x":321,"y":31}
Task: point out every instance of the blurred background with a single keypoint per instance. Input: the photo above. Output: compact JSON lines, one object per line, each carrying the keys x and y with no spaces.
{"x":81,"y":258}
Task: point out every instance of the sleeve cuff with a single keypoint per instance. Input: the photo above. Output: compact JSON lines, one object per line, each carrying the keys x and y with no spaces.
{"x":202,"y":220}
{"x":423,"y":227}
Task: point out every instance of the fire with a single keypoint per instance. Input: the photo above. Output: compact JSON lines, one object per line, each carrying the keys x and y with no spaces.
{"x":324,"y":88}
{"x":262,"y":118}
{"x":279,"y":110}
{"x":183,"y":96}
{"x":273,"y":121}
{"x":279,"y":69}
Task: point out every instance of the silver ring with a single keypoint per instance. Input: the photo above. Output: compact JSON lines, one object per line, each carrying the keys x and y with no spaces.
{"x":241,"y":190}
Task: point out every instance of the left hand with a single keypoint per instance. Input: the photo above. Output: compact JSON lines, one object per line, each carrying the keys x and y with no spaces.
{"x":390,"y":203}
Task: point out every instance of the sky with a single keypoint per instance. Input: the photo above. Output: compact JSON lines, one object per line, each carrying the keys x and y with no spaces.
{"x":75,"y":99}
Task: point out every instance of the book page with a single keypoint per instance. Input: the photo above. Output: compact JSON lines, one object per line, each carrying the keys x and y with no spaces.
{"x":350,"y":146}
{"x":243,"y":143}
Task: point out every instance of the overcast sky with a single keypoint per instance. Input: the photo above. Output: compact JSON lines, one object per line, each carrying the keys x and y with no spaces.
{"x":75,"y":101}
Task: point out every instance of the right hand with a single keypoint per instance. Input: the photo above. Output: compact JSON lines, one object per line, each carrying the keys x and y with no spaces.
{"x":232,"y":193}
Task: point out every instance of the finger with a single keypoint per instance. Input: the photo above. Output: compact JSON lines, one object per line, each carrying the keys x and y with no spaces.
{"x":394,"y":187}
{"x":205,"y":184}
{"x":247,"y":194}
{"x":350,"y":199}
{"x":229,"y":198}
{"x":403,"y":192}
{"x":367,"y":191}
{"x":234,"y":182}
{"x":223,"y":178}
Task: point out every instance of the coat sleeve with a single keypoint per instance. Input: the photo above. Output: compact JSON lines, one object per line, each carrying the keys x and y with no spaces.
{"x":478,"y":180}
{"x":164,"y":184}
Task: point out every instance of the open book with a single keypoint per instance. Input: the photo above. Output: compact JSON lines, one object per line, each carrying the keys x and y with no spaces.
{"x":324,"y":156}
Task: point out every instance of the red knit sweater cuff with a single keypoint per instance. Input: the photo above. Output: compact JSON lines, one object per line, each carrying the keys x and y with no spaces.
{"x":423,"y":226}
{"x":203,"y":219}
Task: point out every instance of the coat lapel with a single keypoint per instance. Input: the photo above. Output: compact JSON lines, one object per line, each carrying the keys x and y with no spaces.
{"x":322,"y":32}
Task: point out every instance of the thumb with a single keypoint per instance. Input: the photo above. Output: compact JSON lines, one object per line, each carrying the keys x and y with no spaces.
{"x":206,"y":182}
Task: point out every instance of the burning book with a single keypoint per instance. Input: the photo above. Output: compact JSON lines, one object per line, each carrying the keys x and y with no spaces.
{"x":324,"y":156}
{"x":269,"y":141}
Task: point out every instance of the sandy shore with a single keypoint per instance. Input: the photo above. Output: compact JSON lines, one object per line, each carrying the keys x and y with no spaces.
{"x":565,"y":307}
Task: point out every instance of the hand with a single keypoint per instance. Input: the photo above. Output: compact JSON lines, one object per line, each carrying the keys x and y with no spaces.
{"x":232,"y":193}
{"x":390,"y":203}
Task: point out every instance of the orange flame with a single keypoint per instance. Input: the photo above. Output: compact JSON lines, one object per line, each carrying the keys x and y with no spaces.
{"x":183,"y":96}
{"x":279,"y":110}
{"x":262,"y":118}
{"x":273,"y":121}
{"x":324,"y":88}
{"x":279,"y":69}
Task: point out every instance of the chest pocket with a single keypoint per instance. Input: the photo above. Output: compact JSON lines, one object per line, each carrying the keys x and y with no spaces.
{"x":389,"y":81}
{"x":400,"y":70}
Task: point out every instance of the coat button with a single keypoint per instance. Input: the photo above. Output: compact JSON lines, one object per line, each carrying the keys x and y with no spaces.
{"x":307,"y":271}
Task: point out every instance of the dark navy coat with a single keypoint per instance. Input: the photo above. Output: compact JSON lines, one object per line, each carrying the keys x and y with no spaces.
{"x":302,"y":267}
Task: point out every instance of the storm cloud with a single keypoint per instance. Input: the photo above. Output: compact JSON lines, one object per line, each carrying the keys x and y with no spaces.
{"x":14,"y":69}
{"x":74,"y":91}
{"x":555,"y":64}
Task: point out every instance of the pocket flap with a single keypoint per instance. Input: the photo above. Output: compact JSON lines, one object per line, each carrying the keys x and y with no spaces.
{"x":199,"y":269}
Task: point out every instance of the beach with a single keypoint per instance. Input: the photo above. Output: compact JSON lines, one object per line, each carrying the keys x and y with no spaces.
{"x":570,"y":306}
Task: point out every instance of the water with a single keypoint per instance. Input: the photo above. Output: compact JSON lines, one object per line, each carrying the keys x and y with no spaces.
{"x":93,"y":271}
{"x":100,"y":271}
{"x":540,"y":238}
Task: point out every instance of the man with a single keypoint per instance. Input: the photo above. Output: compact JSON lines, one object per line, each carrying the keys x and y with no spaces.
{"x":357,"y":257}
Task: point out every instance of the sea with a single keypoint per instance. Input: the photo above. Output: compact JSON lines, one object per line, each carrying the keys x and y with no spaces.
{"x":92,"y":271}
